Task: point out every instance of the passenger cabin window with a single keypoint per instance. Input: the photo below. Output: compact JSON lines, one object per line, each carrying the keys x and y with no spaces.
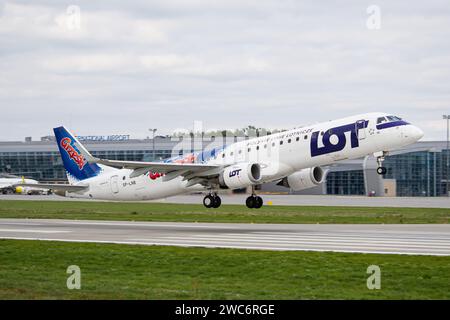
{"x":273,"y":144}
{"x":298,"y":138}
{"x":281,"y":142}
{"x":249,"y":149}
{"x":289,"y":140}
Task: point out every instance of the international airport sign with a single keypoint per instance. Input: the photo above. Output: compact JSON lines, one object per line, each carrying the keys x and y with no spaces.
{"x":114,"y":137}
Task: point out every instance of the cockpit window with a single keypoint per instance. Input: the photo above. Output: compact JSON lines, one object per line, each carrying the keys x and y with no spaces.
{"x":381,"y":120}
{"x":394,"y":118}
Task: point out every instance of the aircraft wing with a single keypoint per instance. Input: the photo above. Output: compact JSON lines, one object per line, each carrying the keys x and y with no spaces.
{"x":61,"y":187}
{"x":5,"y":185}
{"x":161,"y":167}
{"x":171,"y":170}
{"x":193,"y":172}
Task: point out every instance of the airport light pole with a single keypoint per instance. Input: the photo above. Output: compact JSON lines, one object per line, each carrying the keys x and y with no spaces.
{"x":447,"y":117}
{"x":153,"y":139}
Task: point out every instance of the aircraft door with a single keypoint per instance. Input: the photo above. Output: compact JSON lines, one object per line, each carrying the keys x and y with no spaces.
{"x":115,"y":184}
{"x":360,"y":129}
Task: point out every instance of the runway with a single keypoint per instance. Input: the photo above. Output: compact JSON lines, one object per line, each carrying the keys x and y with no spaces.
{"x":388,"y":239}
{"x":284,"y":200}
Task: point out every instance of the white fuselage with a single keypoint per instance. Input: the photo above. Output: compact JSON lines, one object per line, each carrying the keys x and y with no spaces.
{"x":9,"y":183}
{"x":279,"y":155}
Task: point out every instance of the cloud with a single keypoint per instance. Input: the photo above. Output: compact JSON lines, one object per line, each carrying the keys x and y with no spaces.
{"x":227,"y":63}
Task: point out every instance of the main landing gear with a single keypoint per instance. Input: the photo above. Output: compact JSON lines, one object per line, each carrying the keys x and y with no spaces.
{"x":212,"y":200}
{"x":380,"y":158}
{"x":254,"y":201}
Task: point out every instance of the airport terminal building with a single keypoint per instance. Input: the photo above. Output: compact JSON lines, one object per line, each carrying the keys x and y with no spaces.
{"x":417,"y":170}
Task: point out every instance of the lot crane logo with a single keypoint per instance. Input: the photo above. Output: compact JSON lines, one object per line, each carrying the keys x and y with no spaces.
{"x":328,"y":146}
{"x":67,"y":145}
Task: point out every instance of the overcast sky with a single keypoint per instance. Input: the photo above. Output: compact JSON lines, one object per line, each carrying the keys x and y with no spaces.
{"x":133,"y":65}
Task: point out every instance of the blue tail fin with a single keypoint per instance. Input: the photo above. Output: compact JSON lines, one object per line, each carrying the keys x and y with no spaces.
{"x":76,"y":166}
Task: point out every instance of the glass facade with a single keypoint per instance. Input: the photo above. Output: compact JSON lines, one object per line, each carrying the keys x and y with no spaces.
{"x":418,"y":170}
{"x":346,"y":182}
{"x":421,"y":173}
{"x":35,"y":165}
{"x":47,"y":166}
{"x":416,"y":174}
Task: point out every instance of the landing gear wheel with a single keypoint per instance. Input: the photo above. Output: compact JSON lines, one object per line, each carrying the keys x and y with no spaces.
{"x":258,"y":202}
{"x":250,"y":202}
{"x":380,"y":159}
{"x":208,"y":201}
{"x":254,"y":202}
{"x":216,"y":202}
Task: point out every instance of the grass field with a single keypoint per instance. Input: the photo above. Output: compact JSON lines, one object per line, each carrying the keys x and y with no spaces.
{"x":227,"y":213}
{"x":37,"y":270}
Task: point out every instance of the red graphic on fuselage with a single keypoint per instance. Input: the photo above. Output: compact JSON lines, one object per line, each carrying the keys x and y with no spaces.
{"x":66,"y":144}
{"x":155,"y":175}
{"x":190,"y":158}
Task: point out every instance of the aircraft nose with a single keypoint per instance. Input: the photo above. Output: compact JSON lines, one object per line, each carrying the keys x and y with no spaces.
{"x":414,"y":133}
{"x":417,"y":133}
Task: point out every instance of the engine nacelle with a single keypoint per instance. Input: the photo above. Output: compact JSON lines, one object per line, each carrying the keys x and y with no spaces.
{"x":241,"y":175}
{"x":304,"y":179}
{"x":19,"y":190}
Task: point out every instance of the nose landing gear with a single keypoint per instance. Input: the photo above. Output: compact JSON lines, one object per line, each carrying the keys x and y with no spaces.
{"x":380,"y":158}
{"x":212,"y":200}
{"x":381,"y":170}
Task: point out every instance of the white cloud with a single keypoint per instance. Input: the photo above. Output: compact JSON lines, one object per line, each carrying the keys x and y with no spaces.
{"x":162,"y":61}
{"x":228,"y":63}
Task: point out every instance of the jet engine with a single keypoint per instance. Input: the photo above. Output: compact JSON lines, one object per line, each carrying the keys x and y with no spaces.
{"x":241,"y":175}
{"x":304,"y":179}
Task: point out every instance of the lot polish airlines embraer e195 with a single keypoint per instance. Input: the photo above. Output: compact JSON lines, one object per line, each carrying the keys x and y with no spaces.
{"x":292,"y":158}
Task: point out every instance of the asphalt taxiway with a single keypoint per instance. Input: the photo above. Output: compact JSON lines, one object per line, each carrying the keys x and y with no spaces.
{"x":390,"y":239}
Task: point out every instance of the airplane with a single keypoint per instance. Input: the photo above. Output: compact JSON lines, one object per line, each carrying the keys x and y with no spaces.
{"x":293,"y":159}
{"x":8,"y":184}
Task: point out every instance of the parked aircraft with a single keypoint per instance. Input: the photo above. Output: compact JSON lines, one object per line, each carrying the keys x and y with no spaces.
{"x":8,"y":184}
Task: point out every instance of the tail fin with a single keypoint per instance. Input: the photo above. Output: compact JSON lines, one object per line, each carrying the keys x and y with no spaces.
{"x":77,"y":168}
